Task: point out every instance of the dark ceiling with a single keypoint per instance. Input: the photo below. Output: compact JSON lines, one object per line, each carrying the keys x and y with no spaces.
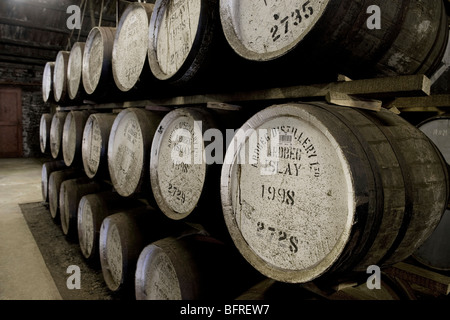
{"x":33,"y":31}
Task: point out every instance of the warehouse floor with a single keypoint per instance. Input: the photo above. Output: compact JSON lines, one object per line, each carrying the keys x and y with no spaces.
{"x":23,"y":273}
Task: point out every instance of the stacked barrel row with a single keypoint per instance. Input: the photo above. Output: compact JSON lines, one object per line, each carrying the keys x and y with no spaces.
{"x":303,"y":191}
{"x":301,"y":186}
{"x":195,"y":46}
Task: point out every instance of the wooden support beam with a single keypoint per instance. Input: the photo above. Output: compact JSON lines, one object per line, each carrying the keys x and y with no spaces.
{"x":20,"y":84}
{"x":31,"y":25}
{"x":378,"y":88}
{"x":60,"y":8}
{"x":428,"y":103}
{"x":391,"y":87}
{"x":30,"y":44}
{"x":420,"y":276}
{"x":23,"y":60}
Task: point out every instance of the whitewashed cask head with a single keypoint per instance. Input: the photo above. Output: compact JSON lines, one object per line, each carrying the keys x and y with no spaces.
{"x":267,"y":29}
{"x":47,"y":81}
{"x":131,"y":45}
{"x":60,"y":75}
{"x":74,"y":69}
{"x":173,"y":28}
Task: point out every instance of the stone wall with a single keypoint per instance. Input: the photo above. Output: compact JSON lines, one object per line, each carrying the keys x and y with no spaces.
{"x":29,"y":79}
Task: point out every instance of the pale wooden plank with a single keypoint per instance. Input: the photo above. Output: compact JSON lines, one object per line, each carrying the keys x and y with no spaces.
{"x":427,"y":103}
{"x":346,"y":100}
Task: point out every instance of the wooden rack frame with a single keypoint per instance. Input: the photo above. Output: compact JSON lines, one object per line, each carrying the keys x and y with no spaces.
{"x":406,"y":93}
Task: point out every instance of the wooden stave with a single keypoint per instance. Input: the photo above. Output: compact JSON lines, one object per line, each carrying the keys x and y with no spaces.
{"x":415,"y":232}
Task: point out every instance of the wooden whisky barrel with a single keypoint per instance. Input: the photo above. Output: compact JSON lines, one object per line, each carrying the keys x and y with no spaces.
{"x":187,"y":47}
{"x":313,"y":190}
{"x":123,"y":236}
{"x":129,"y":54}
{"x":94,"y":147}
{"x":340,"y":34}
{"x":54,"y":186}
{"x":435,"y":251}
{"x":70,"y":194}
{"x":178,"y":167}
{"x":56,"y":132}
{"x":44,"y":132}
{"x":60,"y":76}
{"x":73,"y":136}
{"x":47,"y":82}
{"x":185,"y":162}
{"x":92,"y":210}
{"x":129,"y":150}
{"x":47,"y":169}
{"x":74,"y":69}
{"x":438,"y":130}
{"x":190,"y":267}
{"x":96,"y":70}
